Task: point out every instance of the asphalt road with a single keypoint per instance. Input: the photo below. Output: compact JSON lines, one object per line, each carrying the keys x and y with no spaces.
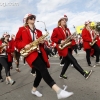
{"x":83,"y":89}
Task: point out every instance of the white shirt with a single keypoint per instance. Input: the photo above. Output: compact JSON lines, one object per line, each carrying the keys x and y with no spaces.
{"x":34,"y":38}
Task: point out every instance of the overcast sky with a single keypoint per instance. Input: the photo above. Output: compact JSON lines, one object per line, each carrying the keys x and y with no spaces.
{"x":48,"y":11}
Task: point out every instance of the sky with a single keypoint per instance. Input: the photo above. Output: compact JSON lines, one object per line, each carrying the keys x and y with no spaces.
{"x":49,"y":12}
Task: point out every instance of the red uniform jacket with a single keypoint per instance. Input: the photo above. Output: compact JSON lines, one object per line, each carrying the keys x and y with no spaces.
{"x":9,"y":51}
{"x":0,"y":45}
{"x":23,"y":37}
{"x":86,"y":39}
{"x":98,"y":41}
{"x":58,"y":35}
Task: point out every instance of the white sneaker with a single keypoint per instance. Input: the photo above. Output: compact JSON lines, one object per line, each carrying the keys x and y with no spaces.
{"x":94,"y":66}
{"x":55,"y":56}
{"x":97,"y":63}
{"x":61,"y":65}
{"x":33,"y":74}
{"x":71,"y":65}
{"x":36,"y":93}
{"x":64,"y":94}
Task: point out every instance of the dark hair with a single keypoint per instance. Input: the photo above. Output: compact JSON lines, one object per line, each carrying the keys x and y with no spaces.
{"x":2,"y":39}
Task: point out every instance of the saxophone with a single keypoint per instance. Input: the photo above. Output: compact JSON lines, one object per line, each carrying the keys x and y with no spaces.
{"x":94,"y":40}
{"x":2,"y":47}
{"x":33,"y":46}
{"x":67,"y":41}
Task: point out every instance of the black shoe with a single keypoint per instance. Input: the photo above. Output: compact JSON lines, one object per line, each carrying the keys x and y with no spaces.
{"x":63,"y":76}
{"x":87,"y":74}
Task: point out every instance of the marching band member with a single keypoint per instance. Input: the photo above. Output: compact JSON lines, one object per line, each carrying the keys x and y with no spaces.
{"x":16,"y":53}
{"x":58,"y":36}
{"x":10,"y":54}
{"x":87,"y":35}
{"x":48,"y":48}
{"x":53,"y":45}
{"x":37,"y":59}
{"x":4,"y":58}
{"x":80,"y":43}
{"x":98,"y":40}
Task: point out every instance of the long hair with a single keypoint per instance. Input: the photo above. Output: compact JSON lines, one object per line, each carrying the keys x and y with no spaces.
{"x":25,"y":24}
{"x":59,"y":24}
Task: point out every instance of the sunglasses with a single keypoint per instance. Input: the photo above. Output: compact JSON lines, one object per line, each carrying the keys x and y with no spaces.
{"x":32,"y":17}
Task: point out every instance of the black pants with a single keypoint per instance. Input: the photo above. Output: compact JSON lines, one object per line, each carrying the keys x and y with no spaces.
{"x":24,"y":60}
{"x":75,"y":47}
{"x":55,"y":50}
{"x":17,"y":57}
{"x":49,"y":51}
{"x":62,"y":60}
{"x":88,"y":51}
{"x":5,"y":64}
{"x":41,"y":72}
{"x":80,"y":46}
{"x":97,"y":53}
{"x":70,"y":59}
{"x":33,"y":70}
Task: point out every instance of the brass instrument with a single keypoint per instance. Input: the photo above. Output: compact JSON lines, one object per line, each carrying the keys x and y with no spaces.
{"x":67,"y":41}
{"x":33,"y":46}
{"x":2,"y":47}
{"x":94,"y":40}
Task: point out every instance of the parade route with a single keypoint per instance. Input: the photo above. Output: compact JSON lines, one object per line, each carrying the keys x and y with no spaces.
{"x":83,"y":89}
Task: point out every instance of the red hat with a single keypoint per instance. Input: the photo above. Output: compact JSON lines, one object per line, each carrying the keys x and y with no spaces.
{"x":28,"y":15}
{"x":87,"y":22}
{"x":63,"y":17}
{"x":5,"y":34}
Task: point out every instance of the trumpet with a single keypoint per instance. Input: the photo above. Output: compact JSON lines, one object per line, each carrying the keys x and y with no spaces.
{"x":67,"y":41}
{"x":33,"y":46}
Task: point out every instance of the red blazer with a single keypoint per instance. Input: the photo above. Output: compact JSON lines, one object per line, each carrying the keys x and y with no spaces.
{"x":9,"y":50}
{"x":98,"y":41}
{"x":0,"y":45}
{"x":86,"y":39}
{"x":23,"y":37}
{"x":57,"y":36}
